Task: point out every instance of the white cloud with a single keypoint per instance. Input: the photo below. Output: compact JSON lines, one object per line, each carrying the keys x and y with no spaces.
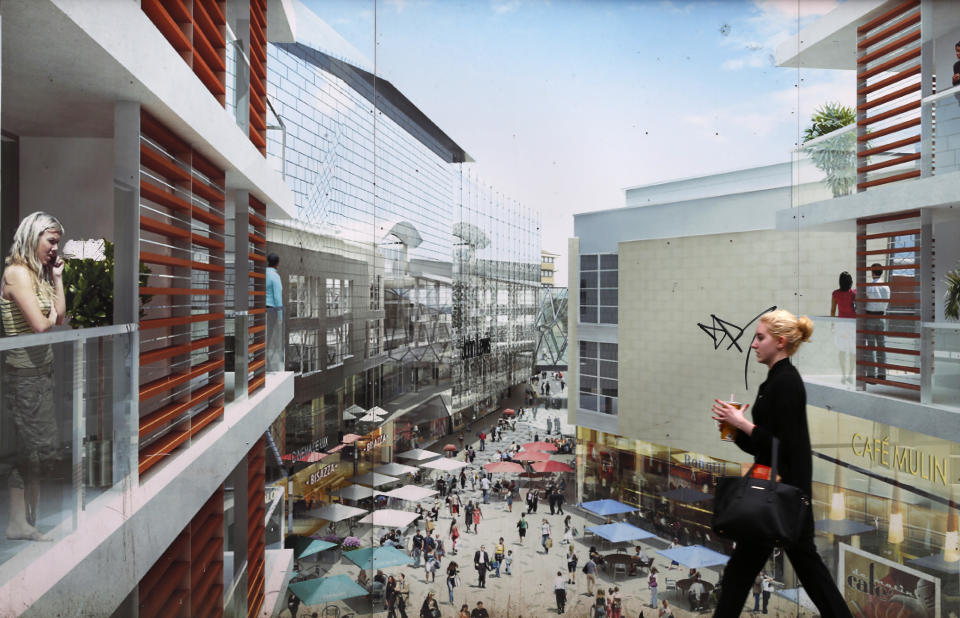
{"x":503,"y":7}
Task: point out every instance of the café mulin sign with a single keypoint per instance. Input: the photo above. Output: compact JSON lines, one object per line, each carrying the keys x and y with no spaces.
{"x":906,"y":459}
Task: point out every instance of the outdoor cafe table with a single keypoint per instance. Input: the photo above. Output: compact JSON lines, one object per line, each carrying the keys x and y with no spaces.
{"x":613,"y":559}
{"x":683,"y":586}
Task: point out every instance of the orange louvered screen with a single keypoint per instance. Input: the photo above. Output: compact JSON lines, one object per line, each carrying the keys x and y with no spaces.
{"x":258,"y":74}
{"x":257,"y":286}
{"x":256,"y":528}
{"x":182,"y":320}
{"x":188,"y":579}
{"x":197,"y":30}
{"x":888,"y":97}
{"x":888,"y":310}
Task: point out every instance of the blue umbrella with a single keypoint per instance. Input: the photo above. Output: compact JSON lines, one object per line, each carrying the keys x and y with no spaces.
{"x":695,"y":556}
{"x":686,"y":495}
{"x":304,"y":546}
{"x":372,"y":558}
{"x":607,"y":507}
{"x":327,"y":589}
{"x":619,"y":532}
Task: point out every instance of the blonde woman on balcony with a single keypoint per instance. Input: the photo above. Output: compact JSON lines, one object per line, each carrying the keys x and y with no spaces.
{"x":31,"y":301}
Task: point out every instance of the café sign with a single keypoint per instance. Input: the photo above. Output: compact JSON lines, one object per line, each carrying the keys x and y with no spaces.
{"x":322,"y":473}
{"x":906,"y":459}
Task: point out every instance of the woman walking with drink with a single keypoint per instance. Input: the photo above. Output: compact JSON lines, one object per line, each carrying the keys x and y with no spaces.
{"x":780,"y":412}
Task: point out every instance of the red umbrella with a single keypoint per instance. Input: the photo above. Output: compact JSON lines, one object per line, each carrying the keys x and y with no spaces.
{"x":509,"y":412}
{"x":502,"y":466}
{"x":551,"y":466}
{"x":312,"y":457}
{"x":287,"y":457}
{"x":450,"y":447}
{"x":540,"y":446}
{"x":337,"y":448}
{"x":531,"y":456}
{"x":350,"y":438}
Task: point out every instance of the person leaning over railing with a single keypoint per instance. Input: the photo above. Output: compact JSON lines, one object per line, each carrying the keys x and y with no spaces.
{"x":31,"y":301}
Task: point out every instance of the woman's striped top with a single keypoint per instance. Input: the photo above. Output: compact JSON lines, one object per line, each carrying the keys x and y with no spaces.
{"x":15,"y":323}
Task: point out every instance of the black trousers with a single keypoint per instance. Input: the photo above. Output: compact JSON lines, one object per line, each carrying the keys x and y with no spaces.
{"x":482,"y":576}
{"x":561,"y":599}
{"x":748,"y":559}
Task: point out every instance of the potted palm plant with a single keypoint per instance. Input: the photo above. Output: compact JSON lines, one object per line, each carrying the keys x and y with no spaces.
{"x":836,"y":157}
{"x":951,"y":298}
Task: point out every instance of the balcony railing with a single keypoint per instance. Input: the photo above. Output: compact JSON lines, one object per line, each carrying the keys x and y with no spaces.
{"x":69,"y":434}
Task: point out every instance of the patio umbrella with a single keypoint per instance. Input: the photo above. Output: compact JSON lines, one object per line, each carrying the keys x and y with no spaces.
{"x":503,"y":466}
{"x":304,"y":546}
{"x":369,"y":418}
{"x":607,"y":507}
{"x":509,"y":412}
{"x":418,"y":454}
{"x":355,"y":492}
{"x":390,"y":518}
{"x":350,"y":438}
{"x":372,"y":558}
{"x":353,"y":412}
{"x":327,"y":589}
{"x":937,"y":563}
{"x":444,"y":464}
{"x":687,"y":495}
{"x":313,"y":457}
{"x":335,"y":512}
{"x":531,"y":456}
{"x":619,"y":532}
{"x":375,"y":480}
{"x":395,"y":469}
{"x":378,"y":411}
{"x":287,"y":457}
{"x":552,"y":466}
{"x":540,"y":446}
{"x":413,"y":493}
{"x":337,"y":448}
{"x":450,"y":447}
{"x":695,"y":556}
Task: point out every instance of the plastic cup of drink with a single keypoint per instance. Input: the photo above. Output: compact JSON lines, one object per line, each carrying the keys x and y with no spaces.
{"x":727,"y":431}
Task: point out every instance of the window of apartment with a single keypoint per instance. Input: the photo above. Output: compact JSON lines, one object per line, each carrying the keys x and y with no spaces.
{"x":338,"y":345}
{"x":546,"y":273}
{"x":374,"y":338}
{"x":598,"y":377}
{"x":297,"y":296}
{"x":548,"y":260}
{"x":599,"y":288}
{"x":303,"y":351}
{"x":375,"y":287}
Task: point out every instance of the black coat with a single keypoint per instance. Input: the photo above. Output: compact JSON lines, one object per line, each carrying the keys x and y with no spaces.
{"x":481,"y":565}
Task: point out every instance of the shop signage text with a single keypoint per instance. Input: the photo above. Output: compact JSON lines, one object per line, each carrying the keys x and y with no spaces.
{"x":901,"y":458}
{"x":322,"y":473}
{"x":317,"y":445}
{"x":471,"y":348}
{"x":374,"y":443}
{"x":715,"y":467}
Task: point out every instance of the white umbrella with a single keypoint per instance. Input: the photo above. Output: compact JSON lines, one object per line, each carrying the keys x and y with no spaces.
{"x":354,"y":492}
{"x":418,"y":454}
{"x":375,"y":480}
{"x":413,"y":493}
{"x":395,"y":469}
{"x":378,"y":411}
{"x":446,"y":464}
{"x":352,"y":412}
{"x":369,"y":418}
{"x":391,"y":518}
{"x":336,"y":512}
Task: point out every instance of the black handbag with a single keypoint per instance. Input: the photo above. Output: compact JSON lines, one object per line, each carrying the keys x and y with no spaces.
{"x":757,"y":510}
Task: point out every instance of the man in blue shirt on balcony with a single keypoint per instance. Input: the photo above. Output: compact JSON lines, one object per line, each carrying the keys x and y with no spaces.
{"x":275,"y":343}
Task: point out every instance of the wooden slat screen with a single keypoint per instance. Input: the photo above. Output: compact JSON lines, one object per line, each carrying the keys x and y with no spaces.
{"x":888,"y":345}
{"x":256,"y":526}
{"x":182,"y":325}
{"x":888,"y":97}
{"x":197,"y":30}
{"x":187,"y":581}
{"x":258,"y":74}
{"x":257,"y":285}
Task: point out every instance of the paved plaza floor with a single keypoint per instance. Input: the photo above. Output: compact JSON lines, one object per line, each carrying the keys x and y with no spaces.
{"x":528,"y":590}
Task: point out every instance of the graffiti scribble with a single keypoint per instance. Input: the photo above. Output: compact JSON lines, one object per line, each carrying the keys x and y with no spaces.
{"x":721,"y":330}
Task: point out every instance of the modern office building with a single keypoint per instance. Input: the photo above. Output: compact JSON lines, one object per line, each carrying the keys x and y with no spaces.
{"x":551,"y":353}
{"x":197,"y":137}
{"x":665,"y":293}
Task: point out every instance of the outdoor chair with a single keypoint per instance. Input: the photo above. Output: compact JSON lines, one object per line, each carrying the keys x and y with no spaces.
{"x":619,"y":567}
{"x":670,"y":584}
{"x":331,"y":611}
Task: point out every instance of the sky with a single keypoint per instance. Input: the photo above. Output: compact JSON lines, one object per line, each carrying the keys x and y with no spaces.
{"x":564,"y":103}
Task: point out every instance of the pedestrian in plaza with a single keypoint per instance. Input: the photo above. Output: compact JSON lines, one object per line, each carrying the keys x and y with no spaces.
{"x":507,"y":561}
{"x":757,"y":589}
{"x":572,"y":560}
{"x":552,"y":500}
{"x":590,"y":570}
{"x":479,"y":611}
{"x":665,"y":611}
{"x":499,"y":551}
{"x":510,"y":499}
{"x":390,"y":597}
{"x":481,"y":562}
{"x":430,"y":608}
{"x":485,"y":488}
{"x":293,"y":604}
{"x":454,"y":536}
{"x":767,"y":588}
{"x":653,"y":584}
{"x":463,"y":479}
{"x":430,"y":566}
{"x":560,"y":500}
{"x":522,"y":527}
{"x":468,"y":515}
{"x":464,"y":611}
{"x":560,"y":591}
{"x":417,"y":548}
{"x":599,"y":609}
{"x":403,"y":595}
{"x":545,"y":540}
{"x":534,"y":500}
{"x":674,"y":545}
{"x":460,"y":439}
{"x":477,"y":514}
{"x":616,"y":603}
{"x":483,"y":440}
{"x":780,"y":411}
{"x":453,"y":571}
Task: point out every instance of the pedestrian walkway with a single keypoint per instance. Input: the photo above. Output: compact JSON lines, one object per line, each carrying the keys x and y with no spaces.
{"x":528,"y":590}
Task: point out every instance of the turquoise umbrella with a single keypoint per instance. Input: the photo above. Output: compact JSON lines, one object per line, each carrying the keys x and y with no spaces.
{"x":695,"y":556}
{"x":619,"y":532}
{"x":373,"y":558}
{"x":304,"y":546}
{"x":327,"y":589}
{"x":607,"y":507}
